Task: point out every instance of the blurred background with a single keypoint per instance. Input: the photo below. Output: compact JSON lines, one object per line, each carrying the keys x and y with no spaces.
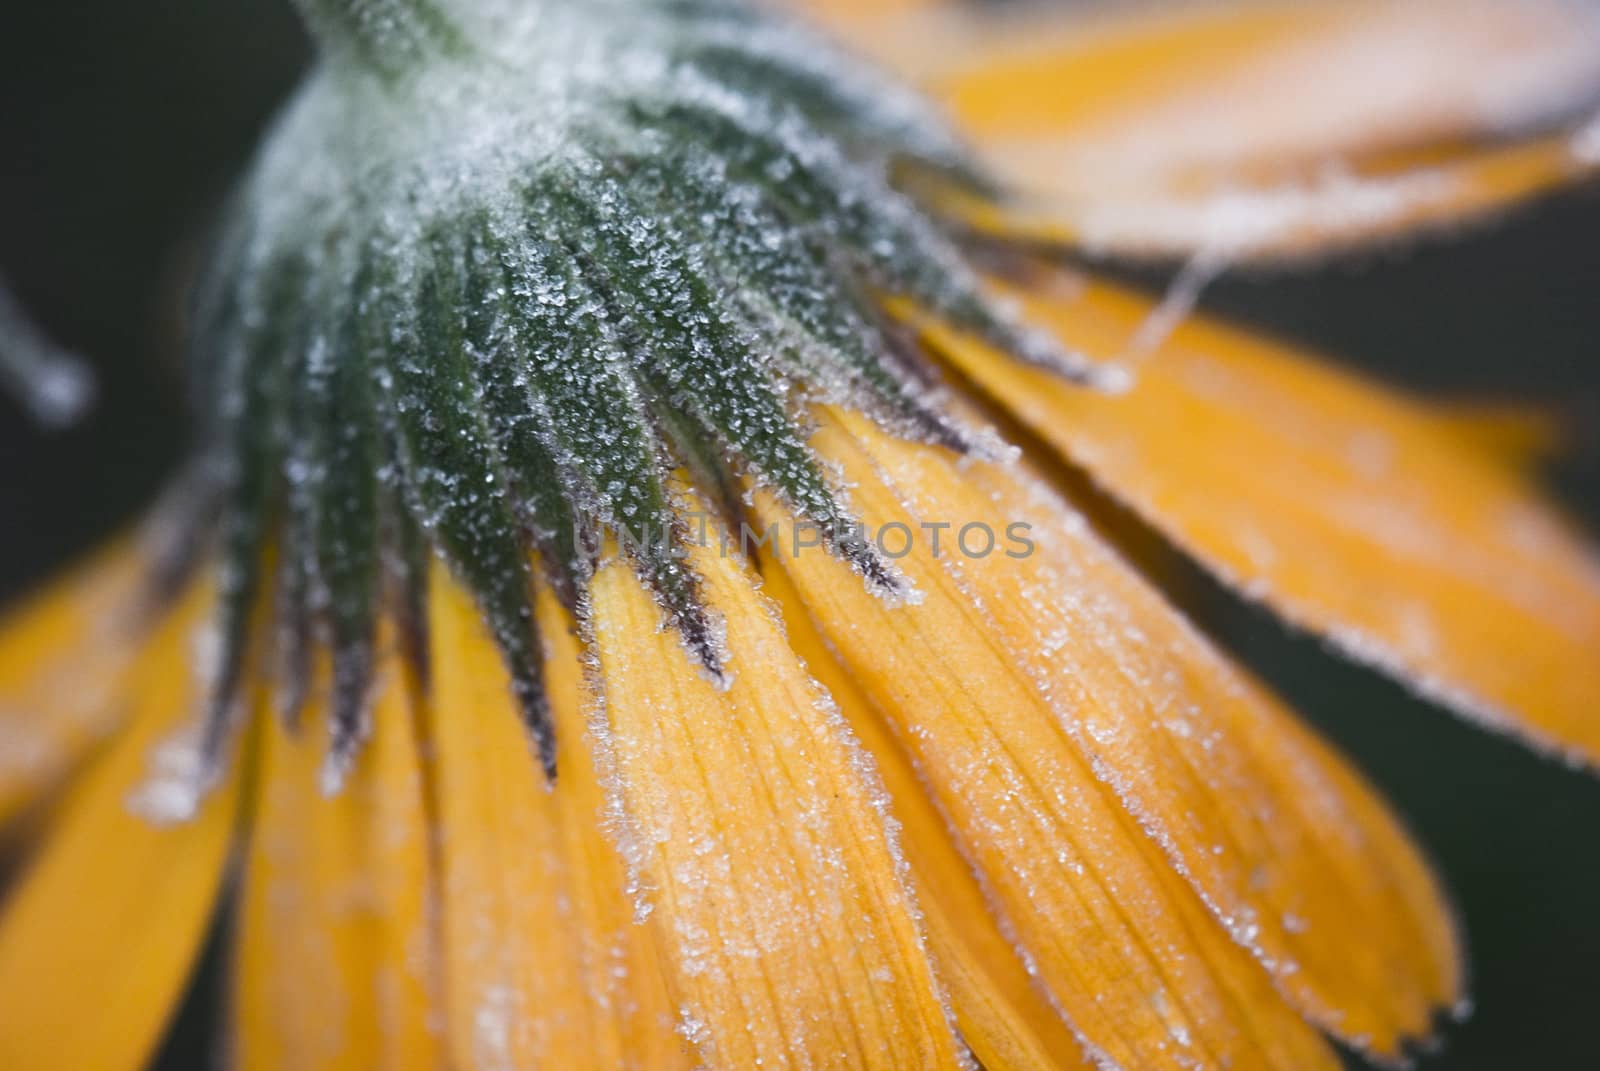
{"x":122,"y":123}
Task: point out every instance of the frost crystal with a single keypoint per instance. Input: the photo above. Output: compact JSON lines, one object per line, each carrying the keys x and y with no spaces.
{"x":495,"y":278}
{"x":56,"y":386}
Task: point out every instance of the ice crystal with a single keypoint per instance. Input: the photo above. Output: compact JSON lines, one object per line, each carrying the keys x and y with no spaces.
{"x":500,"y":272}
{"x":55,"y":385}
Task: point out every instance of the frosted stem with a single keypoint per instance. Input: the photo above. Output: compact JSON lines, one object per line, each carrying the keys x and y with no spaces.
{"x":388,"y":36}
{"x":55,"y":385}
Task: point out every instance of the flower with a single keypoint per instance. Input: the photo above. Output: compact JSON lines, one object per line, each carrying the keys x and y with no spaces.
{"x":555,"y":614}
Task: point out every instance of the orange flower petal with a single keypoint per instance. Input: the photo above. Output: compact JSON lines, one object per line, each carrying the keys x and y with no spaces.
{"x":98,"y":938}
{"x":1344,"y":205}
{"x":1264,"y":128}
{"x":64,"y":656}
{"x":649,"y":1038}
{"x":543,"y":960}
{"x":1123,"y":944}
{"x":1521,"y":434}
{"x":1219,"y":86}
{"x":336,"y":962}
{"x":760,"y":848}
{"x":1344,"y":507}
{"x":1300,"y":862}
{"x":1005,"y":1017}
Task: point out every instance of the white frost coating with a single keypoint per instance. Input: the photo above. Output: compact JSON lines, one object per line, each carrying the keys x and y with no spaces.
{"x":205,"y":657}
{"x":447,"y":135}
{"x":24,"y":752}
{"x":614,"y":819}
{"x":1399,"y":500}
{"x":1238,"y":222}
{"x":996,"y":908}
{"x":1011,"y":798}
{"x":1076,"y":611}
{"x":494,"y":1022}
{"x":178,"y":775}
{"x":1586,"y":143}
{"x":1180,"y":299}
{"x":866,"y":772}
{"x":663,"y":226}
{"x":69,"y":696}
{"x":1399,"y":528}
{"x":718,"y":916}
{"x":175,"y":782}
{"x":1397,"y":71}
{"x":1377,"y":652}
{"x":55,"y":385}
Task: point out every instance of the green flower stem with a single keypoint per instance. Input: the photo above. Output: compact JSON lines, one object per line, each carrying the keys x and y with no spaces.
{"x":390,"y":37}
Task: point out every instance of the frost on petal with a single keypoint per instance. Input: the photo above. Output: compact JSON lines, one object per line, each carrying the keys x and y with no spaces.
{"x":1266,"y":129}
{"x":1291,"y":854}
{"x":542,"y":957}
{"x":336,"y":961}
{"x":1118,"y":937}
{"x":65,"y":660}
{"x":1348,"y":509}
{"x":113,"y":909}
{"x":759,"y":842}
{"x":1006,"y":1019}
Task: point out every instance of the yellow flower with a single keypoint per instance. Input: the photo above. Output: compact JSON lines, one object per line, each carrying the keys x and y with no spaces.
{"x":605,"y":625}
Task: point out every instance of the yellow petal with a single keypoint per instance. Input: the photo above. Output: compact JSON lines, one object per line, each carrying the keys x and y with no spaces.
{"x":98,"y":938}
{"x":1177,"y":87}
{"x":634,"y":986}
{"x":1343,"y":506}
{"x":1521,"y":434}
{"x":1303,"y":866}
{"x":1268,"y":128}
{"x":1005,"y":1018}
{"x":543,"y":961}
{"x":336,"y":962}
{"x":1345,"y":204}
{"x":763,"y":857}
{"x":64,"y":655}
{"x":1124,"y":945}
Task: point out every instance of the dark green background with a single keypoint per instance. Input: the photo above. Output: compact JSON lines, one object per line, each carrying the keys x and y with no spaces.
{"x":121,"y":123}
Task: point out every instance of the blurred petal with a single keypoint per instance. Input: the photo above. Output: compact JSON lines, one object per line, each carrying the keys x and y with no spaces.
{"x":1345,"y":507}
{"x":1259,"y":128}
{"x":99,"y":936}
{"x":1521,"y":434}
{"x":759,"y":843}
{"x":1121,"y":941}
{"x":336,"y":963}
{"x":1342,"y":204}
{"x":1004,"y":1016}
{"x":543,"y":960}
{"x":845,"y":13}
{"x":64,"y":656}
